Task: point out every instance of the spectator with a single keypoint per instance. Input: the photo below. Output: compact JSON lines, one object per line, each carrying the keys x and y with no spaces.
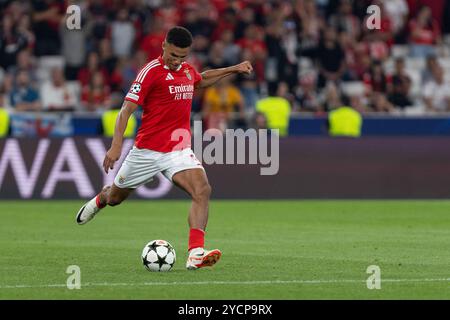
{"x":109,"y":119}
{"x":107,"y":59}
{"x":380,"y":103}
{"x":93,"y":65}
{"x":231,"y":50}
{"x":277,"y":111}
{"x":363,"y":61}
{"x":228,"y":21}
{"x":401,"y":85}
{"x":309,"y":24}
{"x":344,"y":121}
{"x":46,"y":19}
{"x":98,"y":23}
{"x":208,"y":15}
{"x":25,"y":62}
{"x":73,"y":48}
{"x":282,"y":61}
{"x":24,"y":28}
{"x":4,"y":119}
{"x":330,"y":97}
{"x":23,"y":96}
{"x":220,"y":103}
{"x":378,"y":86}
{"x":246,"y":17}
{"x":284,"y":92}
{"x":122,"y":34}
{"x":330,"y":59}
{"x":398,"y":12}
{"x":427,"y":74}
{"x":259,"y":121}
{"x":436,"y":93}
{"x":11,"y":42}
{"x":306,"y":94}
{"x":424,"y":34}
{"x":95,"y":97}
{"x":200,"y":49}
{"x":345,"y":21}
{"x":270,"y":34}
{"x":253,"y":40}
{"x":378,"y":41}
{"x":248,"y":85}
{"x":152,"y":42}
{"x":56,"y":95}
{"x":216,"y":58}
{"x":376,"y":79}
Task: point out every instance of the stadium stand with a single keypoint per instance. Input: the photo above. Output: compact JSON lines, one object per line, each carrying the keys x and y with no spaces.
{"x":291,"y":42}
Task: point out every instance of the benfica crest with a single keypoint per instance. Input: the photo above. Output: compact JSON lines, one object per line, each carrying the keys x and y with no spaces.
{"x":188,"y":75}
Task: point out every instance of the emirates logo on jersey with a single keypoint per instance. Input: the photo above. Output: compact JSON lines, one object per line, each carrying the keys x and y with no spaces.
{"x":188,"y":75}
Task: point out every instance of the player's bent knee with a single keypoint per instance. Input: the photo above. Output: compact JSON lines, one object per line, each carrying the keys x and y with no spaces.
{"x":202,"y":193}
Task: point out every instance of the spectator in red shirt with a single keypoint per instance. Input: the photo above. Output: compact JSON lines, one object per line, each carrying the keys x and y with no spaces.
{"x":95,"y":96}
{"x":378,"y":84}
{"x":254,"y":42}
{"x":424,"y":34}
{"x":378,"y":41}
{"x":152,"y":42}
{"x":93,"y":65}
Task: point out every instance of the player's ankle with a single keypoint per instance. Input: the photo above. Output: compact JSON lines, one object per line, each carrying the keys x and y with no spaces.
{"x":196,"y":250}
{"x":98,"y":201}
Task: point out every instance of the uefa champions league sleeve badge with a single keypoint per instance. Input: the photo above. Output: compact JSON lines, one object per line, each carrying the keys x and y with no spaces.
{"x":136,"y":88}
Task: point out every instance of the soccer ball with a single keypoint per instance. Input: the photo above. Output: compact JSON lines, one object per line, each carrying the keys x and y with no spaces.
{"x":158,"y":255}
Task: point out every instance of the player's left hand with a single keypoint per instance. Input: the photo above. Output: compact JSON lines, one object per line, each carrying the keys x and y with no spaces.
{"x":244,"y":67}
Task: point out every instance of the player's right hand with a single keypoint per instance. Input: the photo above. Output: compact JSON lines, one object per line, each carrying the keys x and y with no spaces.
{"x":111,"y":157}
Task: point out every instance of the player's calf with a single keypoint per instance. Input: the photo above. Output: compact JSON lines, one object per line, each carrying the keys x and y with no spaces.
{"x":114,"y":200}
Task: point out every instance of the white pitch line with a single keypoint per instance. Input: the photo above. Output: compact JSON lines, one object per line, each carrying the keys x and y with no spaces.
{"x":274,"y":282}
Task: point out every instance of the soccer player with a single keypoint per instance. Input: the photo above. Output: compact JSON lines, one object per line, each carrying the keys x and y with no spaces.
{"x":164,"y":88}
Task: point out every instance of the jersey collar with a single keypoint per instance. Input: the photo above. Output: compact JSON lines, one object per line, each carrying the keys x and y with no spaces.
{"x":167,"y":67}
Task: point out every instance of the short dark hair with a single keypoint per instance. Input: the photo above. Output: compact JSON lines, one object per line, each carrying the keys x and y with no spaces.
{"x":180,"y":37}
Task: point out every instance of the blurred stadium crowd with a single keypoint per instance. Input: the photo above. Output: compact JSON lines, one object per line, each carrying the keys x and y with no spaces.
{"x":315,"y":54}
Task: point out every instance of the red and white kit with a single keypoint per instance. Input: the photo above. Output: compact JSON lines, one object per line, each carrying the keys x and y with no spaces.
{"x":166,"y":99}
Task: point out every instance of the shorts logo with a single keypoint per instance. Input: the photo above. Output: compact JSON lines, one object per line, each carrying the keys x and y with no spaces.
{"x":135,"y":88}
{"x":121,"y":179}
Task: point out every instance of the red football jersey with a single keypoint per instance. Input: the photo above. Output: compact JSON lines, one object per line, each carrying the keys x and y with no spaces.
{"x":166,"y":100}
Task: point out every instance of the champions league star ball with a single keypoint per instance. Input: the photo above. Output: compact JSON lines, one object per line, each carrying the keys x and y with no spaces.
{"x":158,"y":255}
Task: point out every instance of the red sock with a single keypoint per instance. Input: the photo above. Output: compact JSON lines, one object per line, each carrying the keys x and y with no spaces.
{"x":196,"y":239}
{"x":97,"y":202}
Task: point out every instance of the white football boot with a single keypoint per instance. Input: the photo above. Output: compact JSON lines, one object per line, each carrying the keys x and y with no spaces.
{"x":199,"y":258}
{"x":89,"y":210}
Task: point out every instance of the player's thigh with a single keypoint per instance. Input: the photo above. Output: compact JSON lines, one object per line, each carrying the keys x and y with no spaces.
{"x":193,"y":181}
{"x":139,"y":168}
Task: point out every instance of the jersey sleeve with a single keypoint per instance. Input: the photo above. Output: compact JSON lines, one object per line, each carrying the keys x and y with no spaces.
{"x":197,"y":76}
{"x":141,"y":85}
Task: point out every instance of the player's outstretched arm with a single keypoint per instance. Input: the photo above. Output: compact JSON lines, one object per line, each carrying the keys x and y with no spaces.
{"x":210,"y":77}
{"x":114,"y":152}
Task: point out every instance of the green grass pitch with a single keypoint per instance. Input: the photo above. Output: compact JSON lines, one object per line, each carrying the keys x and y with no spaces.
{"x":271,"y":250}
